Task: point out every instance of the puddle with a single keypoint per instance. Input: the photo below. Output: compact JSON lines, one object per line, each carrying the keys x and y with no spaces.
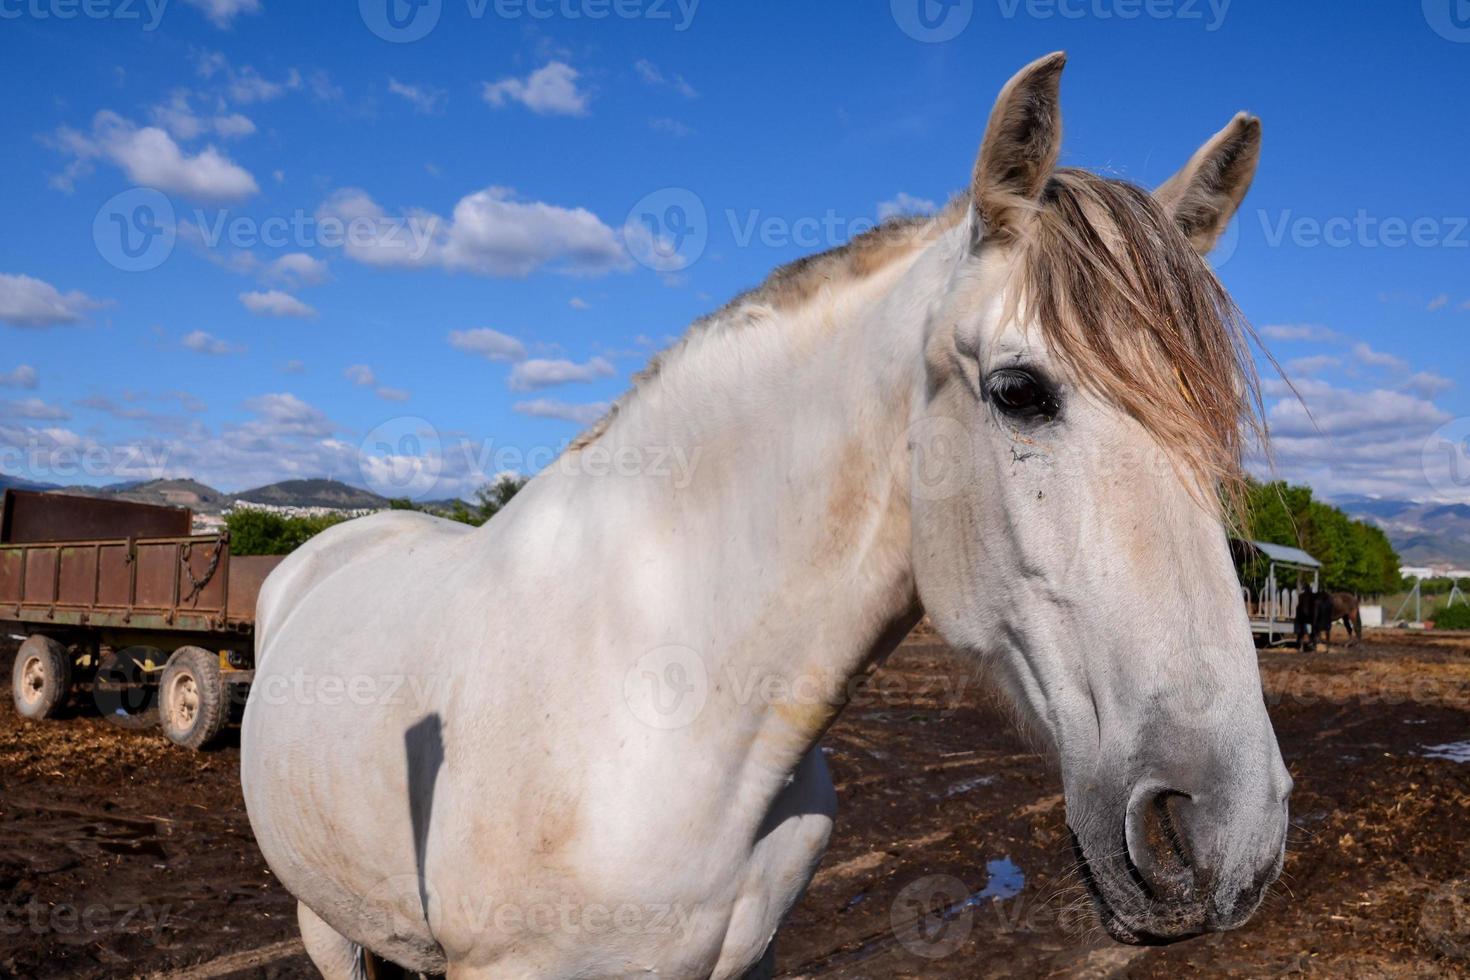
{"x":1006,"y":881}
{"x":1453,"y":751}
{"x":965,"y":785}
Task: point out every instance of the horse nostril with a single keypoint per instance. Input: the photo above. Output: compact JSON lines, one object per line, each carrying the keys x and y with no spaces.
{"x":1160,"y":850}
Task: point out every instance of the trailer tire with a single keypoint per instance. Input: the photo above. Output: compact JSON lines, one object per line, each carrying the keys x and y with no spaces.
{"x":41,"y":677}
{"x":122,"y":692}
{"x":193,"y":703}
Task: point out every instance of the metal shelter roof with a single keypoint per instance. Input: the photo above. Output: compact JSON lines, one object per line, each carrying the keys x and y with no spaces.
{"x":1282,"y":553}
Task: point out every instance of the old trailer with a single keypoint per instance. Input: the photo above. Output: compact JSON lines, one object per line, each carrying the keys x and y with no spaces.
{"x":121,"y":600}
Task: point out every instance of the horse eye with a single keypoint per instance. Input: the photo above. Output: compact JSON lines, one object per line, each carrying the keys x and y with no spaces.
{"x":1022,"y":395}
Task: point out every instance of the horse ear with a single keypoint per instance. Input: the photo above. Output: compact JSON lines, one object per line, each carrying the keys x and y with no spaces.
{"x":1019,"y":152}
{"x":1203,"y":197}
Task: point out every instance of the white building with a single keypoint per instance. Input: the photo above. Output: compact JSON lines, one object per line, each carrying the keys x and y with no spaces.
{"x":1417,"y":571}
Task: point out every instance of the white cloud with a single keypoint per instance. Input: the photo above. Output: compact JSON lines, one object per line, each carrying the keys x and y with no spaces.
{"x":178,"y":117}
{"x":489,"y":344}
{"x":1426,"y":384}
{"x":222,"y":13}
{"x":1315,"y":364}
{"x":424,"y":98}
{"x":540,"y":373}
{"x":1439,"y":302}
{"x":666,"y":124}
{"x":905,"y":204}
{"x":548,"y":408}
{"x":132,"y":408}
{"x":655,"y":76}
{"x":28,"y":302}
{"x":1377,"y":358}
{"x":490,"y":233}
{"x":247,"y":86}
{"x":273,"y":302}
{"x":1351,"y":441}
{"x":298,"y":269}
{"x":323,"y":89}
{"x":204,"y":343}
{"x":1297,"y":331}
{"x":548,"y":91}
{"x":23,"y":376}
{"x":33,"y":408}
{"x":361,"y":375}
{"x":294,"y":366}
{"x":149,"y":156}
{"x":578,"y":303}
{"x":283,"y":414}
{"x":281,"y":438}
{"x":364,"y":376}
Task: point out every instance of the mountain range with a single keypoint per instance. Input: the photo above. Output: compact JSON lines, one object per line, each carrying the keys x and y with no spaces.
{"x":204,"y":499}
{"x":1422,"y":533}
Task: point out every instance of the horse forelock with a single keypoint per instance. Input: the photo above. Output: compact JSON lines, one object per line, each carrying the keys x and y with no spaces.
{"x":1139,"y":318}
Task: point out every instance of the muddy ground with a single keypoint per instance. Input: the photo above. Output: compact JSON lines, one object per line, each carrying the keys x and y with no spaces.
{"x":123,"y":856}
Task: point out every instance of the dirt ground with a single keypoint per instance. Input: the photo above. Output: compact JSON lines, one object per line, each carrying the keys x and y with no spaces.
{"x":123,"y":856}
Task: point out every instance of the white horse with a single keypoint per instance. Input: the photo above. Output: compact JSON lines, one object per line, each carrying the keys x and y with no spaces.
{"x":581,"y":741}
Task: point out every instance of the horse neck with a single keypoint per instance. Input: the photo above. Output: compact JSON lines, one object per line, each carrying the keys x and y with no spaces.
{"x":784,"y":548}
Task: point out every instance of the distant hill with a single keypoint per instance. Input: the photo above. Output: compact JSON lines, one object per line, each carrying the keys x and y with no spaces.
{"x":8,"y":482}
{"x":204,"y":499}
{"x":314,"y":493}
{"x":1423,"y":534}
{"x":198,"y":497}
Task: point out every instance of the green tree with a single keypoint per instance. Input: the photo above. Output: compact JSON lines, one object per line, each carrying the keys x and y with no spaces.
{"x":263,"y":532}
{"x":1356,"y":556}
{"x":489,"y":500}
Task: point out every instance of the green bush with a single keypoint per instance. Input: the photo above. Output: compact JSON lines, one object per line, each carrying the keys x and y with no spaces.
{"x":1456,"y":617}
{"x":262,"y":532}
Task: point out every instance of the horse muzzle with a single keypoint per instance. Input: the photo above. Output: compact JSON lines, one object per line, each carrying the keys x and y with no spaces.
{"x":1182,"y":864}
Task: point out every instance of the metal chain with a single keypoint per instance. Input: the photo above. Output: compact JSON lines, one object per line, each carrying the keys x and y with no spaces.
{"x":198,"y":584}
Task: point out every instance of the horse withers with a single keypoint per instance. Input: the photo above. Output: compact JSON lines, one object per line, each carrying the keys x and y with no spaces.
{"x":582,"y":740}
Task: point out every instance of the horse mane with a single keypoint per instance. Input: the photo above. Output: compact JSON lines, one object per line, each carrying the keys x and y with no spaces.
{"x":1122,"y":299}
{"x":795,"y":283}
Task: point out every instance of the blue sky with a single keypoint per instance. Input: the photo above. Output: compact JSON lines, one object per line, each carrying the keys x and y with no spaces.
{"x":350,"y":242}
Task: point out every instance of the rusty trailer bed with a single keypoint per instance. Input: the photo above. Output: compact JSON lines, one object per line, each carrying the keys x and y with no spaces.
{"x":189,"y":584}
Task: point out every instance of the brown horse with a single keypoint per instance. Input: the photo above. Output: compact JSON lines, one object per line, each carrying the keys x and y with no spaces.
{"x":1319,"y":610}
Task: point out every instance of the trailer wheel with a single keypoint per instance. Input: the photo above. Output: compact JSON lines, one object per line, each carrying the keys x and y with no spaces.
{"x":41,"y":677}
{"x":193,"y":705}
{"x":122,"y":689}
